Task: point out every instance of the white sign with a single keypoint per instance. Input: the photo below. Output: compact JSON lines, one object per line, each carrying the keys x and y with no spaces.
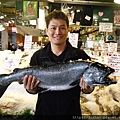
{"x":11,"y":63}
{"x":73,"y":39}
{"x":105,"y":47}
{"x":105,"y":27}
{"x":41,"y":20}
{"x":112,"y":47}
{"x":114,"y":62}
{"x":51,"y":0}
{"x":28,"y":41}
{"x":109,"y":47}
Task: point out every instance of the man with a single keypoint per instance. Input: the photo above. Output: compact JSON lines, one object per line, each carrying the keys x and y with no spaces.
{"x":58,"y":104}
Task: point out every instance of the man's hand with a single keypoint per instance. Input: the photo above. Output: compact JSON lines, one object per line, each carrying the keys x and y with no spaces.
{"x":84,"y":87}
{"x":31,"y":83}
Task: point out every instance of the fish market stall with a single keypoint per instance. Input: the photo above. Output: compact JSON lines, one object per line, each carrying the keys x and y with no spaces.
{"x":15,"y":99}
{"x":103,"y":100}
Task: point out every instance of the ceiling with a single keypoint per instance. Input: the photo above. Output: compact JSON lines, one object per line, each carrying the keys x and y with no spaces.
{"x":69,"y":1}
{"x":27,"y":31}
{"x":8,"y":7}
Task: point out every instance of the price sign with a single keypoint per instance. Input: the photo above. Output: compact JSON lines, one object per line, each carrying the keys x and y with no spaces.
{"x":73,"y":39}
{"x":11,"y":63}
{"x":112,"y":47}
{"x":105,"y":27}
{"x":109,"y":47}
{"x":105,"y":47}
{"x":28,"y":42}
{"x":114,"y":62}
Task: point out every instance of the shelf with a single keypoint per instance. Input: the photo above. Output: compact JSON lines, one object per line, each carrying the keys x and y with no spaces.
{"x":89,"y":32}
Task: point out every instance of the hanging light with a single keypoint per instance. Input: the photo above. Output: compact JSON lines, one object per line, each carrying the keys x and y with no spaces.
{"x":117,"y":1}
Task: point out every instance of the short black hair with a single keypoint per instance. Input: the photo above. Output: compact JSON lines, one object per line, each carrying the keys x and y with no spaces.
{"x":57,"y":14}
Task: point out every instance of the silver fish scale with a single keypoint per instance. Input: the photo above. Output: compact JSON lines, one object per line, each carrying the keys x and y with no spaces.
{"x":64,"y":74}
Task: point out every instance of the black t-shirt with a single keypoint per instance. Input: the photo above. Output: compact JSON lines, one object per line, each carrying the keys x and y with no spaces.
{"x":59,"y":58}
{"x":64,"y":103}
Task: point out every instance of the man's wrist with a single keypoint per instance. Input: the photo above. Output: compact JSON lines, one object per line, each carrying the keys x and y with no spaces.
{"x":88,"y":91}
{"x":33,"y":91}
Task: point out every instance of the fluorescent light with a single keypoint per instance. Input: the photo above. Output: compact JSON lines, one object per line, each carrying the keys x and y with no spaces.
{"x":117,"y":1}
{"x":1,"y":17}
{"x":41,"y":19}
{"x":1,"y":27}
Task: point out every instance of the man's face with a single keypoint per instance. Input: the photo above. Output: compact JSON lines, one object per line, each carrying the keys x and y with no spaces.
{"x":57,"y":31}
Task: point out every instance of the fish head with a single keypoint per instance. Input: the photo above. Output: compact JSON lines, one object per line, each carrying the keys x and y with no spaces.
{"x":97,"y":74}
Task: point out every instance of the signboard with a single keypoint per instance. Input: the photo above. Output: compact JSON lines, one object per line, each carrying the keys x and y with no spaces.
{"x":51,"y":0}
{"x":102,"y":14}
{"x":105,"y":47}
{"x":28,"y":42}
{"x":30,"y":10}
{"x":41,"y":20}
{"x":117,"y":17}
{"x":73,"y":39}
{"x":11,"y":63}
{"x":105,"y":27}
{"x":109,"y":47}
{"x":112,"y":47}
{"x":114,"y":62}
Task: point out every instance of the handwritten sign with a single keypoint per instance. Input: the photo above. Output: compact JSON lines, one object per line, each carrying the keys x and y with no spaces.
{"x":105,"y":27}
{"x":28,"y":42}
{"x":112,"y":47}
{"x":73,"y":39}
{"x":105,"y":47}
{"x":114,"y":62}
{"x":109,"y":47}
{"x":11,"y":63}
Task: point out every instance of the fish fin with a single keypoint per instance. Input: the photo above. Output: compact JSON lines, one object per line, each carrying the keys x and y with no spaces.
{"x":20,"y":82}
{"x":45,"y":90}
{"x":16,"y":69}
{"x":42,"y":90}
{"x":75,"y":82}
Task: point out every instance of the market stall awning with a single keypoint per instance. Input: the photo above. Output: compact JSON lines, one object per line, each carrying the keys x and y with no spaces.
{"x":27,"y":31}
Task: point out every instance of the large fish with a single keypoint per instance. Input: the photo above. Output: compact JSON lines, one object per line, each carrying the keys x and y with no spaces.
{"x":61,"y":76}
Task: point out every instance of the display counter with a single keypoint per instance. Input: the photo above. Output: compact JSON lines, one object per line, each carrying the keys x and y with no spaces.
{"x":102,"y":101}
